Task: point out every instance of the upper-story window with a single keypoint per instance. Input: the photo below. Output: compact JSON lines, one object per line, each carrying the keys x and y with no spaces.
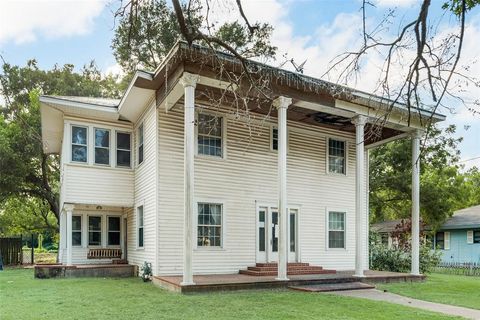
{"x":140,"y":144}
{"x":102,"y":146}
{"x":79,"y":144}
{"x":210,"y":135}
{"x":123,"y":149}
{"x":336,"y":156}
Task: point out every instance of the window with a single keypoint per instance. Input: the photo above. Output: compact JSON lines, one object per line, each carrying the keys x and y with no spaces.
{"x":336,"y":230}
{"x":123,"y":149}
{"x":140,"y":226}
{"x":261,"y":231}
{"x":476,"y":236}
{"x":94,"y":231}
{"x":79,"y":144}
{"x":102,"y":146}
{"x":76,"y":230}
{"x":113,"y":231}
{"x":140,"y":144}
{"x":440,"y":240}
{"x":336,"y":156}
{"x":274,"y":138}
{"x":209,"y":229}
{"x":210,"y":135}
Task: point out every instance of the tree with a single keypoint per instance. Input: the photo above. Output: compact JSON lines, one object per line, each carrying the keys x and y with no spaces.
{"x":148,"y":29}
{"x":27,"y":173}
{"x":443,"y":186}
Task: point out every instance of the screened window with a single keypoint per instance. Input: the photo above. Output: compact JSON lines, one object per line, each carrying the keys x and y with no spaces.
{"x":140,"y":226}
{"x":209,"y":230}
{"x":274,"y":138}
{"x":113,"y":231}
{"x":123,"y":149}
{"x":94,"y":231}
{"x":476,"y":236}
{"x":336,"y":230}
{"x":336,"y":156}
{"x":76,"y":230}
{"x":140,"y":144}
{"x":102,"y":146}
{"x":210,"y":135}
{"x":440,"y":240}
{"x":79,"y":144}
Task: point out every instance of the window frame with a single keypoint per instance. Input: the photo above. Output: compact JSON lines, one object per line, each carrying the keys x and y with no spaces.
{"x":87,"y":139}
{"x":478,"y":239}
{"x":327,"y":227}
{"x":222,"y":225}
{"x":119,"y":231}
{"x":117,"y":149}
{"x":223,"y":120}
{"x":443,"y":240}
{"x":141,"y":129}
{"x":109,"y":164}
{"x":273,"y":127}
{"x":78,"y":230}
{"x":142,"y":226}
{"x":101,"y":230}
{"x":345,"y":157}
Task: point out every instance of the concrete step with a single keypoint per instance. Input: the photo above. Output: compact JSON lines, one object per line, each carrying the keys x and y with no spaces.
{"x":327,"y":287}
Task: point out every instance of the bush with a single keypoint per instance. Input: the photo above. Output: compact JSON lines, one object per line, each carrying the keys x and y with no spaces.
{"x":398,"y":259}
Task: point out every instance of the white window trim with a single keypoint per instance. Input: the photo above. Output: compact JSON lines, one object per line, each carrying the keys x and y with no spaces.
{"x":223,"y":118}
{"x":470,"y":236}
{"x":71,"y":143}
{"x":109,"y":147}
{"x":116,"y":149}
{"x":274,"y":126}
{"x":223,"y":225}
{"x":119,"y":231}
{"x":101,"y":216}
{"x":137,"y":132}
{"x":137,"y":226}
{"x":81,"y":231}
{"x":327,"y":148}
{"x":327,"y":229}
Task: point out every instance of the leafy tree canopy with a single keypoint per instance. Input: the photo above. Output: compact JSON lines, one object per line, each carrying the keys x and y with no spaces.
{"x":443,"y":187}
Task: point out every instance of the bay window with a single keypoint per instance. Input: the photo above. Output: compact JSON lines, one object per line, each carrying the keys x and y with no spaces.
{"x":79,"y":144}
{"x":113,"y":231}
{"x":123,"y":149}
{"x":102,"y":146}
{"x":94,"y":230}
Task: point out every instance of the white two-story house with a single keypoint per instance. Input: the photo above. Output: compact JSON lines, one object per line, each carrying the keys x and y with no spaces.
{"x":163,"y":176}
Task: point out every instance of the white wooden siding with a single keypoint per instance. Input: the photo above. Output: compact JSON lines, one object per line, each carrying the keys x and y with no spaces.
{"x":145,"y":193}
{"x":96,"y":185}
{"x":247,"y":175}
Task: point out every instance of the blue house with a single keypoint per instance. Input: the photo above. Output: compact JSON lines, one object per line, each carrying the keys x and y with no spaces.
{"x":458,"y":238}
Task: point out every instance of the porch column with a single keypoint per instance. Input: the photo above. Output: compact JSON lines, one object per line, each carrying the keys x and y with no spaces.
{"x":416,"y":202}
{"x":69,"y":210}
{"x":189,"y":82}
{"x":360,"y":216}
{"x":63,"y":233}
{"x":282,"y":103}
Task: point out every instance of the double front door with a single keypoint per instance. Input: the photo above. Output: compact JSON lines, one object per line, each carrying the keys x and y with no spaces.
{"x":268,"y":234}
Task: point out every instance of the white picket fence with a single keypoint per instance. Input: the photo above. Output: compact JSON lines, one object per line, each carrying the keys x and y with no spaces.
{"x":466,"y":269}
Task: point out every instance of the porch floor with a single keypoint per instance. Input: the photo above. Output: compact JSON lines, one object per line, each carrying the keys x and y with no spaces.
{"x":223,"y":282}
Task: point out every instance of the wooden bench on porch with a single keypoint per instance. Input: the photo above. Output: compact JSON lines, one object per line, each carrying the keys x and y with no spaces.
{"x":104,"y":253}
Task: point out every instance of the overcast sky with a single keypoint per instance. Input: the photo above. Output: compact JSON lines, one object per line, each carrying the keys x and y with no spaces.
{"x":65,"y":31}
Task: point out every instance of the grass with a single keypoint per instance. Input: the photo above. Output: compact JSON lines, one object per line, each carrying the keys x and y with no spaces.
{"x":22,"y":297}
{"x":450,"y":289}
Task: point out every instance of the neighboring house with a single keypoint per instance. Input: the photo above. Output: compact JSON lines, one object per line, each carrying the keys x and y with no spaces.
{"x":458,"y":238}
{"x":162,"y":176}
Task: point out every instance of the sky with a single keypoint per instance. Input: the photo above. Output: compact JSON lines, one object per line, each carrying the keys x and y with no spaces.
{"x":74,"y":31}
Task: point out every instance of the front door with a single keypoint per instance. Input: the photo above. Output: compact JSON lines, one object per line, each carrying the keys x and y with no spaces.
{"x":268,"y":232}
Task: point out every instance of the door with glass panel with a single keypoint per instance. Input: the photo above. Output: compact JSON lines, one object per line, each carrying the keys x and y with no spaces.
{"x":268,"y":233}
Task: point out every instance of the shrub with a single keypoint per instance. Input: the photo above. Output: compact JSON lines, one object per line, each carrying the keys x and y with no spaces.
{"x":146,"y":271}
{"x":398,"y":258}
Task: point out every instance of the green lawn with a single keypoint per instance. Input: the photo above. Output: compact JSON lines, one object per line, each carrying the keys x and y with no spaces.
{"x":450,"y":289}
{"x":22,"y":297}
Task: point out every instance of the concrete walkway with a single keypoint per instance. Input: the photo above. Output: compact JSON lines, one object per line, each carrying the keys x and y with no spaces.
{"x":374,"y":294}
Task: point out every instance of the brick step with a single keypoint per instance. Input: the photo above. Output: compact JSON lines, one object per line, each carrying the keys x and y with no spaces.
{"x":292,"y":268}
{"x":274,"y":264}
{"x":289,"y":272}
